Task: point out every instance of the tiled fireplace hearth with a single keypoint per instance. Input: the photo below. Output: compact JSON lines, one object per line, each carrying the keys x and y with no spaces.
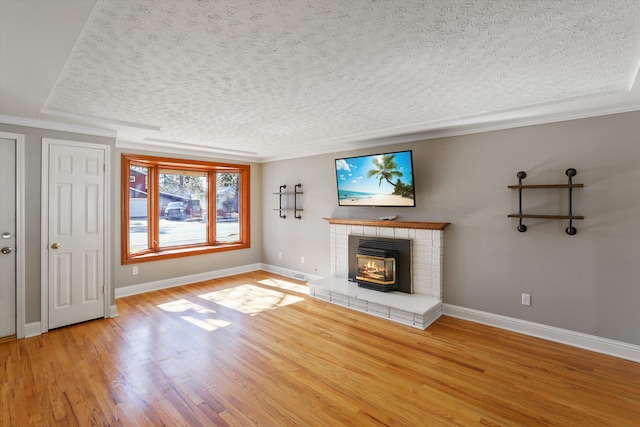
{"x":419,"y":309}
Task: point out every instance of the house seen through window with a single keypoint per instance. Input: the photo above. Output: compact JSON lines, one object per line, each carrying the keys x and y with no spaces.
{"x":178,"y":207}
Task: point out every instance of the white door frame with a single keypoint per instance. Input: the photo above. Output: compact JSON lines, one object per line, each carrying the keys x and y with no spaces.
{"x":44,"y":230}
{"x":20,"y":238}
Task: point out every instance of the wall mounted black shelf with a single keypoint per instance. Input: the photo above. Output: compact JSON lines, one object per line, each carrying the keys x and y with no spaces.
{"x":570,"y":230}
{"x":296,"y":192}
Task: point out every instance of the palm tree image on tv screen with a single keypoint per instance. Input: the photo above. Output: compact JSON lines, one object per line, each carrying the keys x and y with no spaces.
{"x":376,"y":180}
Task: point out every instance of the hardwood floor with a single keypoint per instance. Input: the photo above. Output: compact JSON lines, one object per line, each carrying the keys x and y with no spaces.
{"x":253,"y":350}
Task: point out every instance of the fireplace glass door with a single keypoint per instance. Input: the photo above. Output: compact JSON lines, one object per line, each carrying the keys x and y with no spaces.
{"x":379,"y":270}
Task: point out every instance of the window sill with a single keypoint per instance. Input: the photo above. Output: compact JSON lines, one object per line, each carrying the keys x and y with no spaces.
{"x":182,"y":252}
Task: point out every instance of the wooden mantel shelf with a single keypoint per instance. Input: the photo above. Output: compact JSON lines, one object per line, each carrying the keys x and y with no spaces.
{"x":392,"y":224}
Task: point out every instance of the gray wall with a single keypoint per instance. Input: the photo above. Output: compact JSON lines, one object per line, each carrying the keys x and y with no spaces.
{"x":185,"y":266}
{"x":120,"y":275}
{"x":587,"y":283}
{"x":33,"y":177}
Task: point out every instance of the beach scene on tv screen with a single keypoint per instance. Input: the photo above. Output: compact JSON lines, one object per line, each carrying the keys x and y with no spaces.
{"x":377,"y":180}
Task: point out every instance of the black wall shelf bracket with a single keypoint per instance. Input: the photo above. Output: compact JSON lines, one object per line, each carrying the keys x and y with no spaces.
{"x":521,"y":175}
{"x":295,"y":200}
{"x":570,"y":230}
{"x":297,"y":190}
{"x":280,"y":212}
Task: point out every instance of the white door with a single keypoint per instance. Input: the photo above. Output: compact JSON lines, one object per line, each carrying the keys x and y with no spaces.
{"x":7,"y":238}
{"x":76,"y":233}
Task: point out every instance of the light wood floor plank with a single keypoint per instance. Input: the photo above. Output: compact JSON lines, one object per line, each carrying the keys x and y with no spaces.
{"x":184,"y":356}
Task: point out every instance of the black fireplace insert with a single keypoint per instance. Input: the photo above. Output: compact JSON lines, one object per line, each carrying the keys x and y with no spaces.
{"x":380,"y":263}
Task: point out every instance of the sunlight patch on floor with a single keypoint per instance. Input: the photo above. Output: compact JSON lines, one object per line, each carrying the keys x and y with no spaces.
{"x":207,"y":324}
{"x":182,"y":305}
{"x":250,"y":299}
{"x":197,"y":315}
{"x":283,"y":284}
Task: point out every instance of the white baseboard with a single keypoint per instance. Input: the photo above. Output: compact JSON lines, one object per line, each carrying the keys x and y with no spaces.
{"x":32,"y":330}
{"x":298,"y":275}
{"x":564,"y":336}
{"x":183,"y":280}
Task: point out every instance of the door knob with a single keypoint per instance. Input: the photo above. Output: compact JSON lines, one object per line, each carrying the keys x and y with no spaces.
{"x":6,"y":250}
{"x":55,"y":246}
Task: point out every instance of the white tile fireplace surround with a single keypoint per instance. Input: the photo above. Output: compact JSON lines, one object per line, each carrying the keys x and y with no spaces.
{"x":419,"y":309}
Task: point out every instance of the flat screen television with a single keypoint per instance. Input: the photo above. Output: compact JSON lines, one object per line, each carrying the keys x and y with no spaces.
{"x":384,"y":179}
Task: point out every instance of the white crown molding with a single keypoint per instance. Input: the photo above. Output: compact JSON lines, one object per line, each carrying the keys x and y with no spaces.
{"x":455,"y":127}
{"x":190,"y":146}
{"x":576,"y":339}
{"x":435,"y":69}
{"x":160,"y":147}
{"x":63,"y":127}
{"x":444,"y":129}
{"x":101,"y":120}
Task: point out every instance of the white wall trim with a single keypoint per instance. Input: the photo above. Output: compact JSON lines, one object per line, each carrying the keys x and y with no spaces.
{"x":564,"y":336}
{"x":184,"y":149}
{"x":183,"y":280}
{"x":576,"y":339}
{"x":20,"y":230}
{"x":32,"y":330}
{"x":553,"y":112}
{"x":20,"y":238}
{"x":298,"y":275}
{"x":44,"y":238}
{"x":63,"y":127}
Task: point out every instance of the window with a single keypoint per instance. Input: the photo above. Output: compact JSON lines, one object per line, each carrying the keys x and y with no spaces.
{"x":175,"y":207}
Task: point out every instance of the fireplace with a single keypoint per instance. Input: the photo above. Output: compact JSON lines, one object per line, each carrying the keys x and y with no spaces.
{"x":376,"y":266}
{"x":381,"y":264}
{"x":419,"y":264}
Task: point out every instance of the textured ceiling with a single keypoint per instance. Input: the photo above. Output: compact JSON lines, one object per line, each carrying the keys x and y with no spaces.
{"x":263,"y":77}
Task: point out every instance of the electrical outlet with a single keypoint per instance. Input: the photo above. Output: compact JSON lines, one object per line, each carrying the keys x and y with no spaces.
{"x":279,"y":255}
{"x":134,"y":270}
{"x":526,"y":299}
{"x":301,"y":260}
